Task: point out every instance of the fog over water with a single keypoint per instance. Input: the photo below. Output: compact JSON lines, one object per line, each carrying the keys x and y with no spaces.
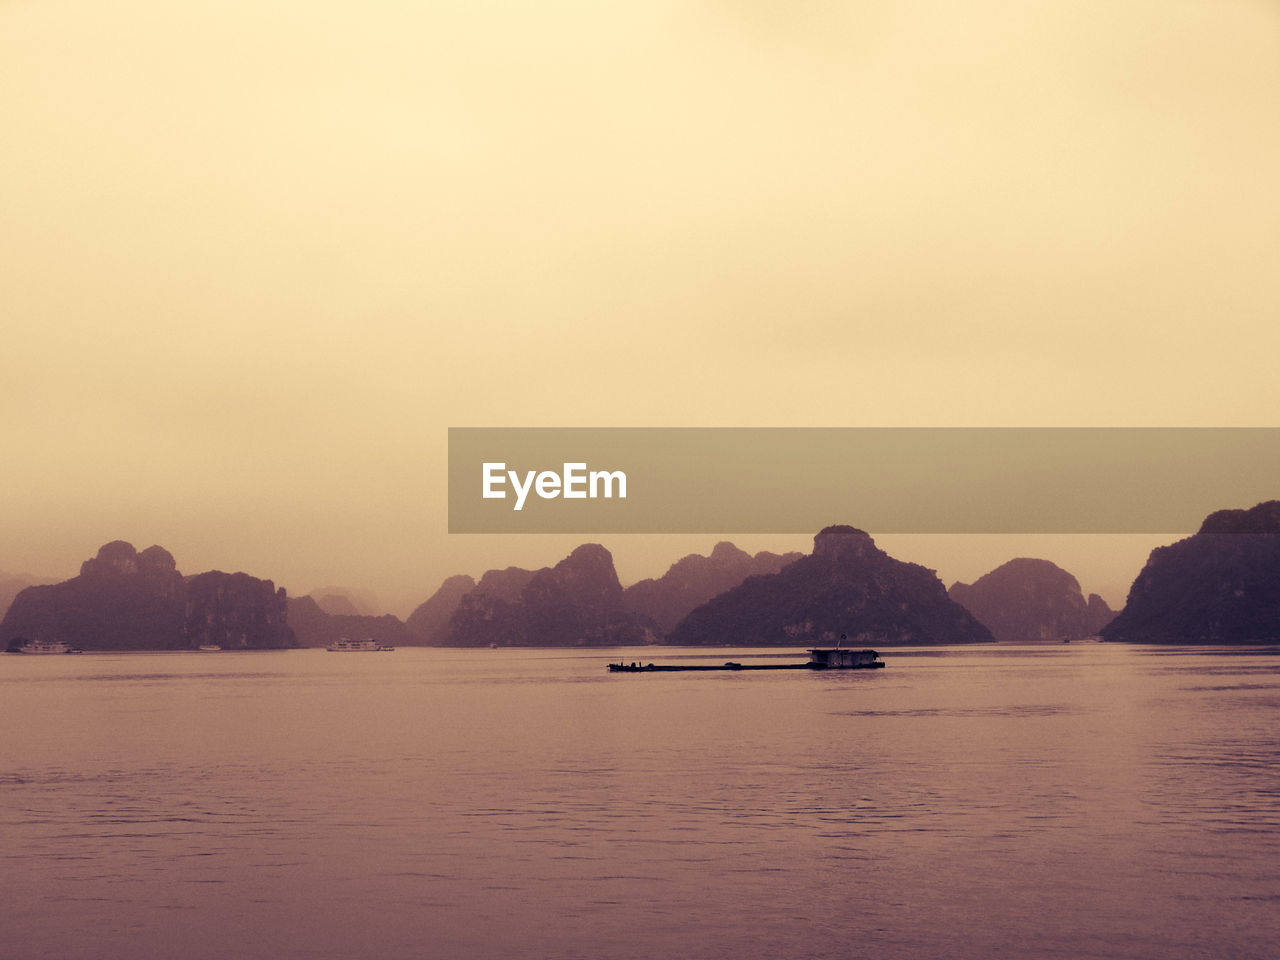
{"x":1055,"y":801}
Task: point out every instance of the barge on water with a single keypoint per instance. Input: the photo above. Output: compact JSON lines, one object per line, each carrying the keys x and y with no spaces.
{"x":829,"y":659}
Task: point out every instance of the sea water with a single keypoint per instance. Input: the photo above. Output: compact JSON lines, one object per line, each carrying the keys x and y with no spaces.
{"x":1072,"y":801}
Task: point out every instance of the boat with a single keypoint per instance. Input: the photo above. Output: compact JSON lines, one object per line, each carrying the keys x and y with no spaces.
{"x":209,"y":647}
{"x":819,"y":659}
{"x":347,"y":645}
{"x":46,"y":646}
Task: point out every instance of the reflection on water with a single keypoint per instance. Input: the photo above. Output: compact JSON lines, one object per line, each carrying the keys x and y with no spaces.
{"x":1081,"y":801}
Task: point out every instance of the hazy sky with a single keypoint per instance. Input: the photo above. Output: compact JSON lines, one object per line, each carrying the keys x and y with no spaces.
{"x":257,"y":257}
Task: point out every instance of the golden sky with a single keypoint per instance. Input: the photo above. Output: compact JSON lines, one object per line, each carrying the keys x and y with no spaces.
{"x":257,"y":257}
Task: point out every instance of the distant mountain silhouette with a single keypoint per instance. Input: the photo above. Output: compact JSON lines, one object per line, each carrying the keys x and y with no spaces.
{"x":848,"y":587}
{"x":578,"y":602}
{"x":126,"y":600}
{"x":430,"y":620}
{"x":1027,"y":600}
{"x":1221,"y":585}
{"x":336,"y":604}
{"x":1100,"y":614}
{"x":345,"y":601}
{"x":316,"y":628}
{"x":695,"y":579}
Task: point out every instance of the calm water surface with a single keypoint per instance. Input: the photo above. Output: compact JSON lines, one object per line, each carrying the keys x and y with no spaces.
{"x":1025,"y":802}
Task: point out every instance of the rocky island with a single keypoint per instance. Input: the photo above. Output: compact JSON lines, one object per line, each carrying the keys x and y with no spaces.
{"x":578,"y":602}
{"x":848,"y":588}
{"x":693,"y":580}
{"x":1030,"y":600}
{"x":124,"y":599}
{"x":1221,"y":585}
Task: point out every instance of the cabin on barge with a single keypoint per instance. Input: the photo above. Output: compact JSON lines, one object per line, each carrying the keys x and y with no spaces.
{"x":840,"y":659}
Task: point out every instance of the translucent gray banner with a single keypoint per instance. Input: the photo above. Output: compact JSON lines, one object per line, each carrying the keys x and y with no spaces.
{"x":884,"y":480}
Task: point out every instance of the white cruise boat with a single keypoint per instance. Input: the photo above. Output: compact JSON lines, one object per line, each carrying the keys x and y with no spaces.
{"x":345,"y":645}
{"x":46,"y":646}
